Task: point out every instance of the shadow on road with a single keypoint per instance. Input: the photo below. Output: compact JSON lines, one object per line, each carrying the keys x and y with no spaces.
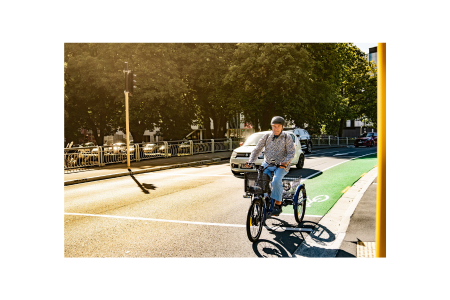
{"x":285,"y":243}
{"x":145,"y":186}
{"x":266,"y":248}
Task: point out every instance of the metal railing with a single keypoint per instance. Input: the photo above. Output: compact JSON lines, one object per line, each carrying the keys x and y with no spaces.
{"x":151,"y":150}
{"x":115,"y":154}
{"x":331,"y":140}
{"x":75,"y":158}
{"x":78,"y":158}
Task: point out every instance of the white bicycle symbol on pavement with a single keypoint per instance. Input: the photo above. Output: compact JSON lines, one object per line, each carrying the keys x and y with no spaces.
{"x":317,"y":199}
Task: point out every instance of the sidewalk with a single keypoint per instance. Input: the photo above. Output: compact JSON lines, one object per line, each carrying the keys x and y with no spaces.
{"x":359,"y":240}
{"x":143,"y":166}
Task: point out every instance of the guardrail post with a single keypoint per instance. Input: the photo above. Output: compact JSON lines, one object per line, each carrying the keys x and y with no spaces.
{"x":318,"y":140}
{"x":100,"y":156}
{"x":329,"y":142}
{"x":212,"y":146}
{"x":166,"y":149}
{"x":138,"y":155}
{"x":231,"y":144}
{"x":338,"y":141}
{"x":347,"y":141}
{"x":191,"y":146}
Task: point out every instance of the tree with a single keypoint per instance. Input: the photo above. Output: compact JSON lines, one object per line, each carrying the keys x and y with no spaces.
{"x":158,"y":101}
{"x":357,"y":86}
{"x":202,"y":68}
{"x":94,"y":89}
{"x":318,"y":85}
{"x":93,"y":86}
{"x":270,"y":79}
{"x":340,"y":87}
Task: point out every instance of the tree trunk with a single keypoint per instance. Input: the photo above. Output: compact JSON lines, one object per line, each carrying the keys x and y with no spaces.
{"x":215,"y":124}
{"x":220,"y":128}
{"x":266,"y":118}
{"x":223,"y":126}
{"x":137,"y":132}
{"x":93,"y":127}
{"x":341,"y":127}
{"x":207,"y":124}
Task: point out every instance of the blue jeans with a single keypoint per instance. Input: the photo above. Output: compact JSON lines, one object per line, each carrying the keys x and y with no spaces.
{"x":277,"y":184}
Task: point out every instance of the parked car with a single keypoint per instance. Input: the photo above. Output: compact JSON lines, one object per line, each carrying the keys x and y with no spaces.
{"x":150,"y":149}
{"x":368,"y":139}
{"x":120,"y":148}
{"x":242,"y":154}
{"x":88,"y":148}
{"x":162,"y":149}
{"x":305,"y":139}
{"x":184,"y":148}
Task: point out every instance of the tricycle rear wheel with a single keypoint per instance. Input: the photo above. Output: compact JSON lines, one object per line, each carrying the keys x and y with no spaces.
{"x":300,"y":206}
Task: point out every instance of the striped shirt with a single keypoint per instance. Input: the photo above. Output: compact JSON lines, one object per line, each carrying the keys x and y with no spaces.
{"x":281,"y":149}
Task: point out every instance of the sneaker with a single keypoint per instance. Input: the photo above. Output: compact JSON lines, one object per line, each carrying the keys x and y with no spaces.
{"x":277,"y":210}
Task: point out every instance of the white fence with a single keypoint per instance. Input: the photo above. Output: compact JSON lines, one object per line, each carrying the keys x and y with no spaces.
{"x":76,"y":158}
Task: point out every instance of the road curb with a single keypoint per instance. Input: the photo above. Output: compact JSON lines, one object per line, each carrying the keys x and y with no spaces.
{"x":153,"y":169}
{"x":335,"y":223}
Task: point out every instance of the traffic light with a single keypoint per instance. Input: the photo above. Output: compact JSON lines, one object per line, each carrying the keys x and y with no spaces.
{"x":131,"y":82}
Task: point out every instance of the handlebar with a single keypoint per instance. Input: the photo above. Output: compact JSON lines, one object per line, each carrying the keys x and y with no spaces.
{"x":272,"y":164}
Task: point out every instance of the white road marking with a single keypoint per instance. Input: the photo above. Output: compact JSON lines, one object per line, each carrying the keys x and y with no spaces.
{"x":185,"y":222}
{"x":344,"y":153}
{"x":207,"y":175}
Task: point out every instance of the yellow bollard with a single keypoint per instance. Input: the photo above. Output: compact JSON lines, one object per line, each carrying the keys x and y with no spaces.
{"x":380,"y":233}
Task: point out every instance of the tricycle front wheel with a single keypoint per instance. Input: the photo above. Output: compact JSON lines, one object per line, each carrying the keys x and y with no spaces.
{"x":255,"y":220}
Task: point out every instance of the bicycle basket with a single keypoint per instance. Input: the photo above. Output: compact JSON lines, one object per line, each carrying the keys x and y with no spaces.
{"x":290,"y":186}
{"x":250,"y":181}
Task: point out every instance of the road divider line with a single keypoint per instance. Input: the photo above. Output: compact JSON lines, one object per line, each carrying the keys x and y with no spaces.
{"x":184,"y":222}
{"x":205,"y":175}
{"x":338,"y":154}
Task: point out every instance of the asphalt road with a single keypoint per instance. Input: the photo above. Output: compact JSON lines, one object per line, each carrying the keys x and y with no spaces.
{"x":185,"y":212}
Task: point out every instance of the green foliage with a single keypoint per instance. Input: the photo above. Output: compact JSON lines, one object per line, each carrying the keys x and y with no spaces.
{"x":269,"y":79}
{"x":318,"y":85}
{"x":92,"y":87}
{"x":202,"y":69}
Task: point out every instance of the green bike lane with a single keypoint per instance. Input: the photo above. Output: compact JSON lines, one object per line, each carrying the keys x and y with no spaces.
{"x":326,"y":188}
